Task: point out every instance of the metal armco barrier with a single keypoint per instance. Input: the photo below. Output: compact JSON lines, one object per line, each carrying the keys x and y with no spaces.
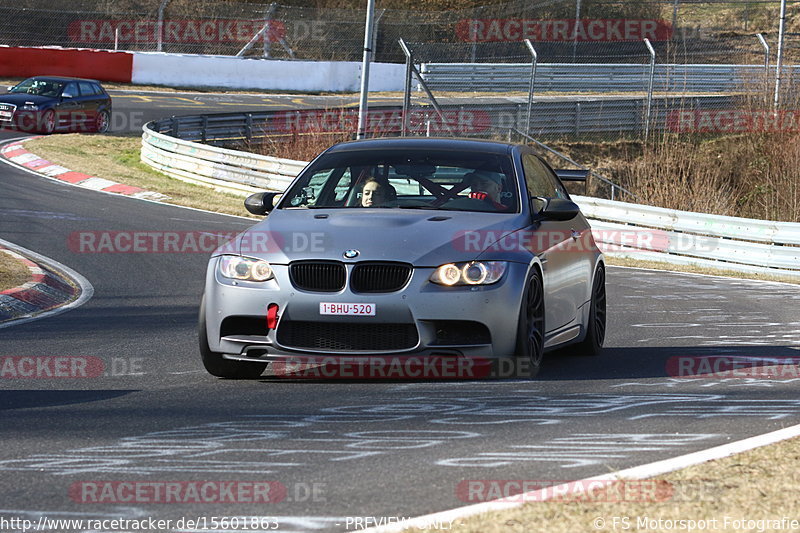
{"x":681,"y":237}
{"x":598,"y":77}
{"x":227,"y":170}
{"x":585,"y":116}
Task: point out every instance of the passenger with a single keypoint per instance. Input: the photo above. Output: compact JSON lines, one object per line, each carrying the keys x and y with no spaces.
{"x":486,"y":186}
{"x":376,"y":193}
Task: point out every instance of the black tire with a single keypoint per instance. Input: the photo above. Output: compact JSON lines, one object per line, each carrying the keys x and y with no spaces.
{"x":530,"y":332}
{"x":101,"y":122}
{"x":48,"y":124}
{"x":215,"y":364}
{"x":592,"y":344}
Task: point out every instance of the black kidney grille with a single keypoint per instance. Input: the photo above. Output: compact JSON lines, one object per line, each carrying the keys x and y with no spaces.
{"x":379,"y":277}
{"x":347,"y":336}
{"x":318,"y":276}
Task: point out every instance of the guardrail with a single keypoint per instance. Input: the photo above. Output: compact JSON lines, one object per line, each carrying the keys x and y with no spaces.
{"x":598,"y":77}
{"x":223,"y":169}
{"x":682,"y":237}
{"x":554,"y":118}
{"x":620,"y":228}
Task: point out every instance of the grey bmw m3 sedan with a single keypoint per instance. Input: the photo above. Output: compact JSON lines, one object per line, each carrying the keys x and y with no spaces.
{"x":407,"y":247}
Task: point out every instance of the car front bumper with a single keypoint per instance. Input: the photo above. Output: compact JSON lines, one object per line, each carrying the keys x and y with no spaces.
{"x":421,"y":319}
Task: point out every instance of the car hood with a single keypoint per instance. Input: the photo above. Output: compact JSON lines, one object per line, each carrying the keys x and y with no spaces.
{"x":24,"y":98}
{"x":423,"y":238}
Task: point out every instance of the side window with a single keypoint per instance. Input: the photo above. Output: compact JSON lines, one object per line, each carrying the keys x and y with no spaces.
{"x":97,"y":89}
{"x":319,"y":189}
{"x":86,"y":88}
{"x":71,"y":90}
{"x":342,"y":187}
{"x":315,"y":184}
{"x":540,"y":180}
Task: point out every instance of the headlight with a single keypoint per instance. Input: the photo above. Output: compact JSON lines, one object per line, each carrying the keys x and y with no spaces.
{"x":472,"y":273}
{"x":246,"y":268}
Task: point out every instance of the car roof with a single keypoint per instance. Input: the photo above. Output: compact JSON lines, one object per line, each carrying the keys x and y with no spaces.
{"x":425,"y":143}
{"x":61,"y":79}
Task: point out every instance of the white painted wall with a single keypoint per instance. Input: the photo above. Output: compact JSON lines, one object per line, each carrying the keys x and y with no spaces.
{"x":267,"y":74}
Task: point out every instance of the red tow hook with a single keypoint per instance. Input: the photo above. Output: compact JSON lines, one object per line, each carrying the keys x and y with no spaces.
{"x":272,"y":316}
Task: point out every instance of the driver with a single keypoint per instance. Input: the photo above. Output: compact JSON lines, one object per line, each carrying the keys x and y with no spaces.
{"x":486,"y":186}
{"x":376,"y":193}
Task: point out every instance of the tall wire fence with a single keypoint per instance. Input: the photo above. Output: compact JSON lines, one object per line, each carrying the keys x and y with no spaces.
{"x":685,"y":29}
{"x":594,"y":90}
{"x":594,"y":68}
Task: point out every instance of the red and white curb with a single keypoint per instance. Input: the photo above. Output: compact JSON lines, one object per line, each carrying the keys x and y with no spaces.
{"x":17,"y":154}
{"x":53,"y":288}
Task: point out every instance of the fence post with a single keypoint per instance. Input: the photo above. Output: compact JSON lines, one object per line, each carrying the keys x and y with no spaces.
{"x":406,"y":88}
{"x":674,"y":16}
{"x":534,"y":62}
{"x":160,"y":25}
{"x":779,"y":58}
{"x":203,"y":129}
{"x":575,"y":29}
{"x":428,"y":93}
{"x":363,"y":105}
{"x":374,"y":45}
{"x":766,"y":66}
{"x":649,"y":87}
{"x":267,"y":34}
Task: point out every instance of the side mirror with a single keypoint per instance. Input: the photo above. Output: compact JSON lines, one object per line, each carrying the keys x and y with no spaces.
{"x":8,"y":89}
{"x":559,"y":209}
{"x":261,"y":203}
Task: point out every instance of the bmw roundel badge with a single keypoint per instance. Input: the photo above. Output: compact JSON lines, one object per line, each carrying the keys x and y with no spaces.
{"x":350,"y":254}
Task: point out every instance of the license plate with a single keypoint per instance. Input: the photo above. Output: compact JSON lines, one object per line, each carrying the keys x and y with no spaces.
{"x":6,"y":115}
{"x":347,"y":309}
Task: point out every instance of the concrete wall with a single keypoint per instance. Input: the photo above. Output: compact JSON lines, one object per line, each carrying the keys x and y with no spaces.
{"x":185,"y":70}
{"x":266,"y":74}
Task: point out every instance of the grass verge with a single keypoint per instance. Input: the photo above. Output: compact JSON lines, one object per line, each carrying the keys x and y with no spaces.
{"x":737,"y":493}
{"x":117,"y":159}
{"x":12,"y":272}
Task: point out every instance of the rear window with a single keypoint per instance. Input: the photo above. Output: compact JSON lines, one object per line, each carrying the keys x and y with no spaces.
{"x":87,"y":89}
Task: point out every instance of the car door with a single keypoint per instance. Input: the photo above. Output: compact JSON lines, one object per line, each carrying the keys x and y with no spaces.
{"x":90,"y":103}
{"x":69,"y":107}
{"x":564,"y":266}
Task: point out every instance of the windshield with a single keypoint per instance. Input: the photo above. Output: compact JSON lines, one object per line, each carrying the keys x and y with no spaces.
{"x":39,"y":87}
{"x":407,"y":179}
